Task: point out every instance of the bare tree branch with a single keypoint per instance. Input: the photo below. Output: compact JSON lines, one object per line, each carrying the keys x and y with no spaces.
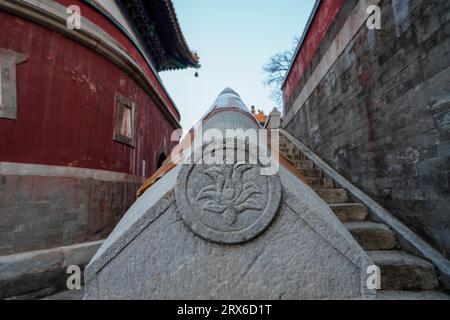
{"x":276,"y":69}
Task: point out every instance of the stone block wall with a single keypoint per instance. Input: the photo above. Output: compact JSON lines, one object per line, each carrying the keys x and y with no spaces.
{"x":381,"y":114}
{"x":40,"y":212}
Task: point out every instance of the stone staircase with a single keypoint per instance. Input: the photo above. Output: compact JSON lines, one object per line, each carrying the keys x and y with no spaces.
{"x":403,"y":276}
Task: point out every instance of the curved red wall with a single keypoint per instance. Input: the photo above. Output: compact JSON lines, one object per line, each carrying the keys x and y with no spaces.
{"x":100,"y":20}
{"x":65,"y":98}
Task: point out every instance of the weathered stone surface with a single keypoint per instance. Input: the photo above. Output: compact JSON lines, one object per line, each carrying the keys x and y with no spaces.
{"x":411,"y":295}
{"x":401,"y":271}
{"x":372,"y":236}
{"x":66,"y":295}
{"x":380,"y":115}
{"x":407,"y":240}
{"x":274,"y":120}
{"x":28,"y":272}
{"x":350,"y":212}
{"x":38,"y":294}
{"x":322,"y":183}
{"x":41,"y":212}
{"x":294,"y":258}
{"x":305,"y":164}
{"x":312,"y":173}
{"x":80,"y":254}
{"x":35,"y":271}
{"x":294,"y":156}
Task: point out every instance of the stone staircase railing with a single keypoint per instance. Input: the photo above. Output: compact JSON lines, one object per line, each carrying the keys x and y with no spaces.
{"x":384,"y":238}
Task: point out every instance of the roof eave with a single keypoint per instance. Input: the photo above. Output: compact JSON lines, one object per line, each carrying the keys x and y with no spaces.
{"x":190,"y":58}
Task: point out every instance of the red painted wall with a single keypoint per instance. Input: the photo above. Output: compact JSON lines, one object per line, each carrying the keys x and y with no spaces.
{"x":66,"y":106}
{"x":97,"y":18}
{"x":324,"y":16}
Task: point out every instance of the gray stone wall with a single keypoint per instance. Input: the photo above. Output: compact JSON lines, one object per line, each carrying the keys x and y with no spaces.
{"x":39,"y":212}
{"x":381,"y":114}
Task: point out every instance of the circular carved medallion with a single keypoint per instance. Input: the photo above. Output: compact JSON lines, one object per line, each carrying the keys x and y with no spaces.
{"x":227,"y":203}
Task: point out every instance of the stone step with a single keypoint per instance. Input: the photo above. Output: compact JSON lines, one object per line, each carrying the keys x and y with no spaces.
{"x":311,"y":173}
{"x":287,"y":153}
{"x":66,"y":295}
{"x":333,"y":196}
{"x":304,"y":164}
{"x":32,"y":274}
{"x":295,"y":157}
{"x":402,"y":271}
{"x":294,"y":154}
{"x":290,"y":151}
{"x":350,"y":212}
{"x":299,"y":157}
{"x":411,"y":295}
{"x":320,"y":183}
{"x":372,"y":236}
{"x":286,"y":145}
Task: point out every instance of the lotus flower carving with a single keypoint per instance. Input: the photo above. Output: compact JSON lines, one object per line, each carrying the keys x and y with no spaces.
{"x":229,"y":194}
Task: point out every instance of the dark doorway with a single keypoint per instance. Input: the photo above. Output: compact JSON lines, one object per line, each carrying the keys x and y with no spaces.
{"x":161,"y":159}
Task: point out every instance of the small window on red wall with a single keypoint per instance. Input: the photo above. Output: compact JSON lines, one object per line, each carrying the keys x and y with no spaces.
{"x":124,"y":130}
{"x":8,"y":89}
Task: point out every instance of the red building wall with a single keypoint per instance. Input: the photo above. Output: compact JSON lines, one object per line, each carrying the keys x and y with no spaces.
{"x":100,"y":20}
{"x":65,"y":95}
{"x":66,"y":119}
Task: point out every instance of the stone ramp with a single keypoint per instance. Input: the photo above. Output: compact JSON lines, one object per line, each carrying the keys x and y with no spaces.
{"x":226,"y":231}
{"x":155,"y":253}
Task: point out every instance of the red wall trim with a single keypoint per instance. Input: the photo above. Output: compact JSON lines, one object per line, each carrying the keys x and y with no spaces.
{"x":323,"y":19}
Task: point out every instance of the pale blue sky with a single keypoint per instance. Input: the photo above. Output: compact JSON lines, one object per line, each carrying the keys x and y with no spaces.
{"x":234,"y":39}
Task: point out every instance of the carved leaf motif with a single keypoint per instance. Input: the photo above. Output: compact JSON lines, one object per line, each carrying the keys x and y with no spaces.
{"x":239,"y":170}
{"x":230,"y":216}
{"x":213,"y":172}
{"x":250,"y":204}
{"x":250,"y":189}
{"x":214,"y":207}
{"x":228,"y":194}
{"x":207,"y":192}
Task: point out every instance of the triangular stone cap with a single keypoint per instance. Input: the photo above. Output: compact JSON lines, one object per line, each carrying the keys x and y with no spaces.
{"x":305,"y":253}
{"x":229,"y":231}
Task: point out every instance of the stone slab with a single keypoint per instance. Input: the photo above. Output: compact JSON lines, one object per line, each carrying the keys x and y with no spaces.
{"x":36,"y":270}
{"x":411,"y":295}
{"x":402,"y":271}
{"x":153,"y":254}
